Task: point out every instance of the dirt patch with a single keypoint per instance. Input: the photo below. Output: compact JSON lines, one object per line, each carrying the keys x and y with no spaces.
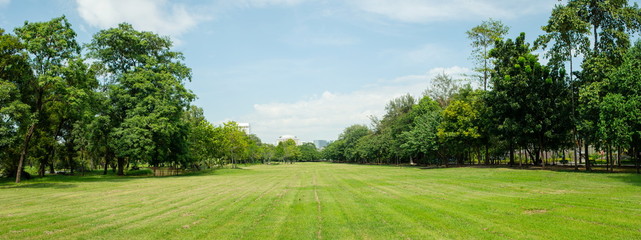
{"x":187,"y":214}
{"x":535,"y":211}
{"x":52,"y":232}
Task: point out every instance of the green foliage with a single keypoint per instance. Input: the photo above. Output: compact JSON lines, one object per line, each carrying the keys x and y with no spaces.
{"x":15,"y":74}
{"x":308,"y":152}
{"x":458,"y":127}
{"x":57,"y":73}
{"x":529,"y":101}
{"x":483,"y":39}
{"x":287,"y":151}
{"x":146,"y":93}
{"x":620,"y":108}
{"x":422,"y":140}
{"x":567,"y":32}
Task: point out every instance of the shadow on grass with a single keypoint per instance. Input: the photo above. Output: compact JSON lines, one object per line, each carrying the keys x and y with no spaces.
{"x":633,"y":179}
{"x":40,"y":185}
{"x":66,"y":181}
{"x":625,"y":174}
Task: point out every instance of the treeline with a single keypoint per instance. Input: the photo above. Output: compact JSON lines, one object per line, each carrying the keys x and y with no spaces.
{"x":118,"y":101}
{"x":527,"y":112}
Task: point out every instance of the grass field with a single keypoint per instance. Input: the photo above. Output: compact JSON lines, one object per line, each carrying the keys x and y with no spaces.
{"x":327,"y":201}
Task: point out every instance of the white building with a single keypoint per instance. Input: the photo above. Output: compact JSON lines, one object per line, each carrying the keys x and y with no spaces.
{"x":287,"y":137}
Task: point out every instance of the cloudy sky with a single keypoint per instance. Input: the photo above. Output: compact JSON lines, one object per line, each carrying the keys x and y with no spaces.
{"x":300,"y":67}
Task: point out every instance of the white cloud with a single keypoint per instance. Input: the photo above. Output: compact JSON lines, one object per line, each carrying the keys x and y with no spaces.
{"x":4,"y":2}
{"x":159,"y":16}
{"x":438,"y":10}
{"x":326,"y":115}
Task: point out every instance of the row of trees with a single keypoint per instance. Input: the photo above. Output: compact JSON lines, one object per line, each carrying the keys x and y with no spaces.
{"x":213,"y":146}
{"x":117,"y":101}
{"x":526,"y":110}
{"x":123,"y":101}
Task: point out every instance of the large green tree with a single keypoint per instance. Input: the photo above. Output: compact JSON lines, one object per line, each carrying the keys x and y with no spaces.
{"x":144,"y":82}
{"x":566,"y":37}
{"x":620,"y":109}
{"x":422,"y":139}
{"x":15,"y":74}
{"x":308,"y":152}
{"x":611,"y":23}
{"x":529,"y":101}
{"x":51,"y":47}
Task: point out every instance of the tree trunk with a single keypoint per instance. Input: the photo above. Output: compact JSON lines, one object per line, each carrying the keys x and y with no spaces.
{"x":511,"y":155}
{"x":485,"y":69}
{"x":121,"y":166}
{"x":576,"y":157}
{"x":42,"y":166}
{"x":611,"y":159}
{"x":636,"y":155}
{"x":106,"y":166}
{"x":587,"y":157}
{"x":521,"y":158}
{"x":487,"y":154}
{"x":607,"y":158}
{"x":619,"y":156}
{"x":23,"y":153}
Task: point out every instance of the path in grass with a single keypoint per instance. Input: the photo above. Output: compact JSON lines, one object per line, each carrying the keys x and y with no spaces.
{"x":327,"y":201}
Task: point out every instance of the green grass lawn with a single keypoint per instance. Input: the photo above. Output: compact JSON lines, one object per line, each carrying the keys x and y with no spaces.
{"x":327,"y":201}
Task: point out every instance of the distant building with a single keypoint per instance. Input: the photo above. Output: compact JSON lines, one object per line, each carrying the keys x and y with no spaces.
{"x":245,"y":128}
{"x":287,"y":137}
{"x":320,"y":144}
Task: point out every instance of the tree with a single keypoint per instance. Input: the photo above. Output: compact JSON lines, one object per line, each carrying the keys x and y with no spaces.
{"x":15,"y":74}
{"x":147,"y":97}
{"x":235,"y":142}
{"x":334,"y":151}
{"x":458,"y":130}
{"x":422,"y":139}
{"x":200,"y":138}
{"x":255,"y":148}
{"x":528,"y":102}
{"x":566,"y":30}
{"x":389,"y":130}
{"x":51,"y":46}
{"x":287,"y":151}
{"x":308,"y":152}
{"x":349,"y":138}
{"x":75,"y":108}
{"x":483,"y":38}
{"x":611,"y":22}
{"x":442,"y":89}
{"x":620,"y":109}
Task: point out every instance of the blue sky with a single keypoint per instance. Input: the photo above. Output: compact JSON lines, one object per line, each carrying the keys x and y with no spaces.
{"x":300,"y":67}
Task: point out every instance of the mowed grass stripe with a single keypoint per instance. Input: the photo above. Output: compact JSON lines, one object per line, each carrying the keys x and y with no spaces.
{"x":327,"y":201}
{"x":389,"y":211}
{"x":429,"y":214}
{"x":120,"y":215}
{"x":234,"y":219}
